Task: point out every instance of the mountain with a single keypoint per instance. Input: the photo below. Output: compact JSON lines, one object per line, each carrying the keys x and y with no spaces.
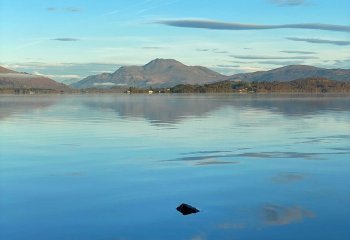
{"x":292,"y":72}
{"x":10,"y":79}
{"x":157,"y":73}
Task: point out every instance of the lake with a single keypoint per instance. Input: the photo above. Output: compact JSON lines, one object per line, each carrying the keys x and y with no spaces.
{"x":110,"y":167}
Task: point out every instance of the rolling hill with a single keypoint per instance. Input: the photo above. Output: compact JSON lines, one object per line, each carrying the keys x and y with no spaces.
{"x":10,"y":79}
{"x":292,"y":72}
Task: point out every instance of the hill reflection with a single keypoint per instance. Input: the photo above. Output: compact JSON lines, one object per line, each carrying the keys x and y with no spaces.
{"x":170,"y":109}
{"x":158,"y":109}
{"x":10,"y":105}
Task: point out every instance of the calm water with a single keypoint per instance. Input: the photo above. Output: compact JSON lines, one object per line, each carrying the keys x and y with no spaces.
{"x":116,"y":167}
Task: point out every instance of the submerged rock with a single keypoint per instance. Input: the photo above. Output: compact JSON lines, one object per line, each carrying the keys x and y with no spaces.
{"x":186,"y":209}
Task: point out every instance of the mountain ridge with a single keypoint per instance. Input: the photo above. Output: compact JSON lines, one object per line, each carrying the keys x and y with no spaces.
{"x":167,"y":73}
{"x":163,"y":73}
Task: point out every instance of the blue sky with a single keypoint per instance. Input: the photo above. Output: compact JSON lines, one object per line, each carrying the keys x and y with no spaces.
{"x":76,"y":38}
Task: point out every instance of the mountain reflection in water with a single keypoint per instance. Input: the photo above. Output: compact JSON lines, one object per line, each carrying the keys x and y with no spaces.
{"x":171,"y":109}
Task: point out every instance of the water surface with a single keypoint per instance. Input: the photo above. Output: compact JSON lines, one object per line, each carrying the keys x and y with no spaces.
{"x":116,"y":167}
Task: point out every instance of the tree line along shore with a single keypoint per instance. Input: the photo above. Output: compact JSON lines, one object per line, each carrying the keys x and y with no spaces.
{"x":308,"y":85}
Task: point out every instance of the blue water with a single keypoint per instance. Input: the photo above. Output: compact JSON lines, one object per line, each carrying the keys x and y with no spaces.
{"x":116,"y":167}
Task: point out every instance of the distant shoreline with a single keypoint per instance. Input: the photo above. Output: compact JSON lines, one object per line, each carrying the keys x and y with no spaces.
{"x":299,"y":86}
{"x":252,"y":95}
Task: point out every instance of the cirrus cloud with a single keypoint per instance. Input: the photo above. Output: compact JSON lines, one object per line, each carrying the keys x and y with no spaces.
{"x":66,"y":39}
{"x":320,"y":41}
{"x":227,"y":66}
{"x":67,"y":9}
{"x":288,"y":2}
{"x":270,"y":57}
{"x":299,"y":52}
{"x":281,"y":63}
{"x":152,"y":47}
{"x":219,"y":25}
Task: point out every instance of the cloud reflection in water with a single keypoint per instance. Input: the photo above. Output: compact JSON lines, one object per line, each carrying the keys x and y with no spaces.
{"x":281,"y":215}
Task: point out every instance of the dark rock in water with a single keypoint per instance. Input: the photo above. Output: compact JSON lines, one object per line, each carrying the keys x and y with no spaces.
{"x":186,"y":209}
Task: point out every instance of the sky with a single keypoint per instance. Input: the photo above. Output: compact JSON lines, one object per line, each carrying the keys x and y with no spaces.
{"x":68,"y":40}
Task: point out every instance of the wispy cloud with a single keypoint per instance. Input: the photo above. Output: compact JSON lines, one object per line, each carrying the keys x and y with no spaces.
{"x":66,"y":9}
{"x":270,"y":57}
{"x":252,"y":69}
{"x":227,"y":66}
{"x":66,"y":39}
{"x":270,"y":62}
{"x":139,"y":7}
{"x":156,"y":4}
{"x":203,"y":49}
{"x":320,"y":41}
{"x":299,"y":52}
{"x":111,"y":13}
{"x":337,"y":63}
{"x":63,"y":76}
{"x":72,"y":9}
{"x":214,"y":50}
{"x":152,"y":47}
{"x":218,"y":25}
{"x":219,"y":51}
{"x":30,"y":44}
{"x":281,"y":63}
{"x":289,"y":3}
{"x":234,"y":69}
